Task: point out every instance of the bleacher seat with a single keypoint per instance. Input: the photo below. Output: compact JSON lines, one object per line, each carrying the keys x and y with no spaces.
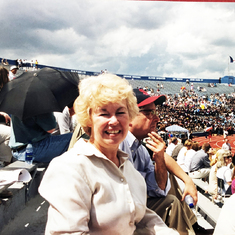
{"x":174,"y":87}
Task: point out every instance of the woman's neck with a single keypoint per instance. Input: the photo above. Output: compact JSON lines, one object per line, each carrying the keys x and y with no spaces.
{"x":110,"y":153}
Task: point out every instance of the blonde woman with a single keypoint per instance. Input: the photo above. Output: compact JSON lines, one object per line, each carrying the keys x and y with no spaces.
{"x":217,"y":163}
{"x":182,"y":154}
{"x":225,"y":173}
{"x":93,"y":188}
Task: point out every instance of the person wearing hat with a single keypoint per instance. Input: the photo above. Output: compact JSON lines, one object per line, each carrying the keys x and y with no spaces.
{"x":166,"y":205}
{"x":12,"y":72}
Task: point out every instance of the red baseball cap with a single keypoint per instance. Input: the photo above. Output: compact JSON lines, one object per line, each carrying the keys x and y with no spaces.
{"x":143,"y":98}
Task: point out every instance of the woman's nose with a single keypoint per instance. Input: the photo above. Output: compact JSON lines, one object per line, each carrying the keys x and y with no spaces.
{"x":113,"y":119}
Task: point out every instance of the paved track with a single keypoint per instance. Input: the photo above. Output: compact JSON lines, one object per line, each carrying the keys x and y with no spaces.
{"x":217,"y":141}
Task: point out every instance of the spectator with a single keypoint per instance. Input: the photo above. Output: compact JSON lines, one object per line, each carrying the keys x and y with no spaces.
{"x":215,"y":164}
{"x":19,"y":61}
{"x":37,"y":130}
{"x":163,"y":133}
{"x":210,"y":135}
{"x":176,"y":151}
{"x":5,"y":132}
{"x":226,"y":221}
{"x":172,"y":145}
{"x":102,"y":196}
{"x":65,"y":120}
{"x":224,"y":172}
{"x":182,"y":154}
{"x":191,"y":87}
{"x":3,"y":77}
{"x":36,"y":64}
{"x":165,"y":205}
{"x":4,"y":62}
{"x":200,"y":163}
{"x":233,"y":176}
{"x":190,"y":154}
{"x":226,"y":145}
{"x":143,"y":164}
{"x":225,"y":133}
{"x":12,"y":73}
{"x":233,"y":185}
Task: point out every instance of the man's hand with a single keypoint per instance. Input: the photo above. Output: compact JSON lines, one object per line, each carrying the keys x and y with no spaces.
{"x":191,"y":190}
{"x":157,"y":145}
{"x":6,"y":116}
{"x":175,"y":169}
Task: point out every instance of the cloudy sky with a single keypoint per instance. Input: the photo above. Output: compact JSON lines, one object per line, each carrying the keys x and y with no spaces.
{"x":151,"y":38}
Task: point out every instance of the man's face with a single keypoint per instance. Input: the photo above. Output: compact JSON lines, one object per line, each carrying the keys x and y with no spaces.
{"x":14,"y":71}
{"x":144,"y":122}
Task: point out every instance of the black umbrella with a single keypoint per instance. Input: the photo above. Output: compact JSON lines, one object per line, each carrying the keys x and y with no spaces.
{"x":38,"y":92}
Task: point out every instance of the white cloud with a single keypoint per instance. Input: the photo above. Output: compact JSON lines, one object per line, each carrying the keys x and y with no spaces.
{"x":129,"y":37}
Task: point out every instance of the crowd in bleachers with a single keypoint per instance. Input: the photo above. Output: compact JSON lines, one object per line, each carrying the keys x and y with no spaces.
{"x":195,"y":112}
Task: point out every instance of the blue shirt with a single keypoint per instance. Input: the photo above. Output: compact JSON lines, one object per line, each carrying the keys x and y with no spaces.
{"x":142,"y":162}
{"x":200,"y":160}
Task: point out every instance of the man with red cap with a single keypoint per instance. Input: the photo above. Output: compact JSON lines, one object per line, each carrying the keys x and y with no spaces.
{"x":174,"y":213}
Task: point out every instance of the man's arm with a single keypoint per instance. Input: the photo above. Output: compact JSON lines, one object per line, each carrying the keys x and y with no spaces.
{"x":51,"y":131}
{"x":176,"y":170}
{"x":157,"y":145}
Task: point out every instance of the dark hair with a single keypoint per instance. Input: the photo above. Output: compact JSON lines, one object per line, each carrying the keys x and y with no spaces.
{"x":162,"y":127}
{"x":3,"y":77}
{"x":195,"y":146}
{"x":206,"y":147}
{"x":173,"y":140}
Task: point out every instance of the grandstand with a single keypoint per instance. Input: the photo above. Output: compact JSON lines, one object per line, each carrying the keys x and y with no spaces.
{"x":175,"y":87}
{"x":171,"y":85}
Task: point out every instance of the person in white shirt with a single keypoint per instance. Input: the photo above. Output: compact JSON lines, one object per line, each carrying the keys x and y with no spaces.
{"x":189,"y":155}
{"x":182,"y":154}
{"x":12,"y":72}
{"x":172,"y":145}
{"x":226,"y":222}
{"x":65,"y":120}
{"x":226,"y":145}
{"x":93,"y":188}
{"x":225,"y":133}
{"x":225,"y":172}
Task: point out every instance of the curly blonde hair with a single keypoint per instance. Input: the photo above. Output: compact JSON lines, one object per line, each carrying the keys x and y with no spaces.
{"x":101,"y":90}
{"x":220,"y":155}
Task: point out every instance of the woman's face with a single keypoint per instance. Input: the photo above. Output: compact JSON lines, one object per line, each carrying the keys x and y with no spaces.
{"x":110,"y":124}
{"x":228,"y":160}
